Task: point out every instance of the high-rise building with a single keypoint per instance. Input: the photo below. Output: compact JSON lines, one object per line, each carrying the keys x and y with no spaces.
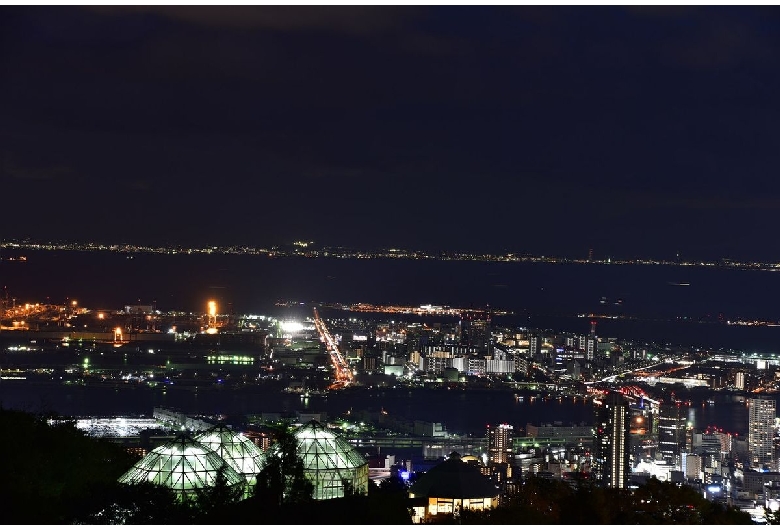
{"x":671,"y":433}
{"x":693,"y":466}
{"x":611,"y":445}
{"x":500,"y":440}
{"x":535,"y":347}
{"x":475,"y":330}
{"x":641,"y":439}
{"x":739,"y":382}
{"x":591,"y":343}
{"x":761,"y":422}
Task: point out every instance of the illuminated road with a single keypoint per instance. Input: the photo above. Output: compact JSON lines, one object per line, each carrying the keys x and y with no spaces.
{"x":643,"y":371}
{"x":342,"y":372}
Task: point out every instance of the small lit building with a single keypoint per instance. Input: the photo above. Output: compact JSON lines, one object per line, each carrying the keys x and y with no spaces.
{"x":184,"y":465}
{"x":330,"y":462}
{"x":449,"y":488}
{"x":772,"y":495}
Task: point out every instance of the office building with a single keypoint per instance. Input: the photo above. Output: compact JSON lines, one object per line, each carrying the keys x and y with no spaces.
{"x":693,"y":467}
{"x":475,"y":331}
{"x":611,"y":444}
{"x":591,"y":343}
{"x":671,"y":433}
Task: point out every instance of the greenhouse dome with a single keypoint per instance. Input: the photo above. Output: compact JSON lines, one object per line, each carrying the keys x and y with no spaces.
{"x":236,"y":449}
{"x":184,"y":465}
{"x":330,"y":462}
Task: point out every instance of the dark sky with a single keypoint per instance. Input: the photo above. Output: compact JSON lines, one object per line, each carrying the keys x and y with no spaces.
{"x":633,"y":131}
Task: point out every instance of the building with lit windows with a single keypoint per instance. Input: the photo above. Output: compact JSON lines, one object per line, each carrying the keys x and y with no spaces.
{"x":450,"y":487}
{"x":475,"y":330}
{"x":591,"y":343}
{"x":761,"y":422}
{"x":535,"y":347}
{"x":772,"y":495}
{"x":739,"y":381}
{"x":692,"y":466}
{"x":611,"y":444}
{"x":500,"y":440}
{"x":671,"y":433}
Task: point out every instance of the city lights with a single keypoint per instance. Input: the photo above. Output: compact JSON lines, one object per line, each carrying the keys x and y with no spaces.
{"x":291,"y":327}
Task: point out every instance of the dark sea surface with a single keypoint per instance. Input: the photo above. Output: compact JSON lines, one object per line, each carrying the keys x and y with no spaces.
{"x":464,"y":412}
{"x":543,"y":295}
{"x":548,"y":296}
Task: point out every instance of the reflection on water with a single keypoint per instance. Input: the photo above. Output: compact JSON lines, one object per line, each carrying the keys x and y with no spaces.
{"x":731,"y":416}
{"x":466,"y":412}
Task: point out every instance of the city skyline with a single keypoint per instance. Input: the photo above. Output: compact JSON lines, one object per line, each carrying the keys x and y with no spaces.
{"x":631,"y":130}
{"x":358,"y":264}
{"x":311,"y":249}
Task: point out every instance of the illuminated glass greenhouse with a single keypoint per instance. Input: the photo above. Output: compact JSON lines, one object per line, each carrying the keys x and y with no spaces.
{"x":184,"y":465}
{"x":330,"y":462}
{"x":236,"y":449}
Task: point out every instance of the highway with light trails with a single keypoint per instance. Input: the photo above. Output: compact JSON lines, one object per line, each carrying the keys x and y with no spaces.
{"x":342,"y":372}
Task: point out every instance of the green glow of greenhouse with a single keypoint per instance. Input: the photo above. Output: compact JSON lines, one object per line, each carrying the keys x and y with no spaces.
{"x":330,"y":461}
{"x":236,"y":449}
{"x":184,"y":465}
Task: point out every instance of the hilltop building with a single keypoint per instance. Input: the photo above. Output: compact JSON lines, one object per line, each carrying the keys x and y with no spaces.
{"x":450,"y":487}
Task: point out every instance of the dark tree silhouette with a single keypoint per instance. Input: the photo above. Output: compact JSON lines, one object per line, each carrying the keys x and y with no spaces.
{"x":283,"y":479}
{"x":143,"y":503}
{"x":210,"y":502}
{"x":545,"y":501}
{"x":52,"y":474}
{"x":392,"y":483}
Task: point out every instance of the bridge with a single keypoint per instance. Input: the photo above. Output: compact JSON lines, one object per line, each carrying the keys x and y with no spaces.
{"x":476,"y":445}
{"x":342,"y":372}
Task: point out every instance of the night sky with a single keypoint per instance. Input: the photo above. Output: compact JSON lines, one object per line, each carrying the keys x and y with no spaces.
{"x":635,"y":131}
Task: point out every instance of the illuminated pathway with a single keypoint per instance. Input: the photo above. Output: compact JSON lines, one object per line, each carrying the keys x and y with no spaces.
{"x":343,"y":373}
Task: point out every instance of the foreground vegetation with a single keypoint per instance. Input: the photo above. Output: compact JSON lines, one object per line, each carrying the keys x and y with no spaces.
{"x":55,"y":474}
{"x":58,"y":475}
{"x":543,"y":501}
